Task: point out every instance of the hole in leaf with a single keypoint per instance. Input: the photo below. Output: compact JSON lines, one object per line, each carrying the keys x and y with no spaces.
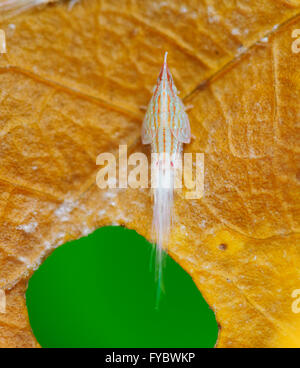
{"x":100,"y":291}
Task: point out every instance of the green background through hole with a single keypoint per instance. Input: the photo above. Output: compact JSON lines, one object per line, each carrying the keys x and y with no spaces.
{"x":100,"y":291}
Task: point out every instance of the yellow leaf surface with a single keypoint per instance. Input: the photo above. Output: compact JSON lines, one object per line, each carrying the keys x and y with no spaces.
{"x":72,"y":84}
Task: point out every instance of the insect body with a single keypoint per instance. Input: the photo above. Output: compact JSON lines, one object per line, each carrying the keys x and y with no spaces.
{"x":13,"y":7}
{"x":166,"y":127}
